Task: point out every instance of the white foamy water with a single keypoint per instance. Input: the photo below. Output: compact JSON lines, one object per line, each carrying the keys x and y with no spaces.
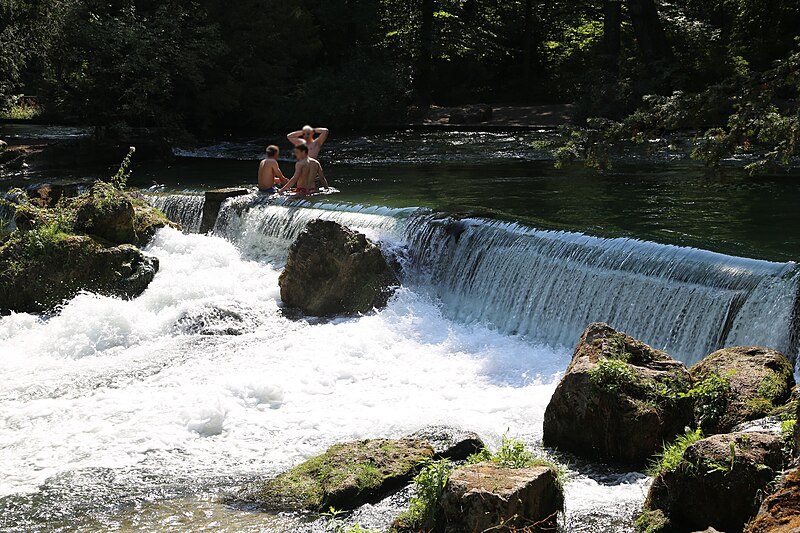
{"x":114,"y":400}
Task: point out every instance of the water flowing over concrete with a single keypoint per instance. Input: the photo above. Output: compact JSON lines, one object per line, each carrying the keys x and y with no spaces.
{"x":547,"y":285}
{"x":185,"y":209}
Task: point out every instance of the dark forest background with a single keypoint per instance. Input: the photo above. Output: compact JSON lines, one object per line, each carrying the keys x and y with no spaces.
{"x":209,"y":64}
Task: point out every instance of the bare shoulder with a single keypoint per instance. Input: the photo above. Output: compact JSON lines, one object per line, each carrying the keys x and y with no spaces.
{"x":313,"y":161}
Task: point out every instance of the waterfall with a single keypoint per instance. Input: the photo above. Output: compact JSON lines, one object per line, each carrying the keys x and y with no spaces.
{"x":184,"y":209}
{"x":544,"y":285}
{"x":548,"y":285}
{"x":265,"y":227}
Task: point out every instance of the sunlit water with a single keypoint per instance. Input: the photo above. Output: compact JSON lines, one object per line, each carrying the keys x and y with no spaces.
{"x":142,"y":415}
{"x":112,"y":404}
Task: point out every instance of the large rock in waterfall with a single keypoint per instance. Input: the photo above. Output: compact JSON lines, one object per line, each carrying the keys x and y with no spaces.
{"x":488,"y":497}
{"x":619,"y":400}
{"x":780,"y":512}
{"x":738,"y":384}
{"x":40,"y":270}
{"x":346,"y":476}
{"x":332,"y":270}
{"x":716,"y":484}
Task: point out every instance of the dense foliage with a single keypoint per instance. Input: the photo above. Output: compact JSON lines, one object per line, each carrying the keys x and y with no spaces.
{"x":203,"y":64}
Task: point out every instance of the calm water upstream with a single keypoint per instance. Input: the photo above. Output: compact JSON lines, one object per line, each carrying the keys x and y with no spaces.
{"x":138,"y":415}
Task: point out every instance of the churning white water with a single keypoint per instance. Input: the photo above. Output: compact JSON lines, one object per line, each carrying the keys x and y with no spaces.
{"x":112,"y":404}
{"x":137,"y":414}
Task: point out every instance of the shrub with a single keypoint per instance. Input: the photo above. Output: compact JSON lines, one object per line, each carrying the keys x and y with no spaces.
{"x":429,"y":485}
{"x":671,"y":457}
{"x":613,"y":375}
{"x":711,"y":396}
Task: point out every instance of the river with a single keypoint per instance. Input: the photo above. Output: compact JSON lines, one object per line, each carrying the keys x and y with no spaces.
{"x":141,"y":415}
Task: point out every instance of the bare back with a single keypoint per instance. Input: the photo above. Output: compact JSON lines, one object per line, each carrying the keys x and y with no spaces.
{"x":267,"y":172}
{"x":307,"y":171}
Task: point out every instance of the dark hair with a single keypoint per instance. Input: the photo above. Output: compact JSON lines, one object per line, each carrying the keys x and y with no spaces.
{"x":302,"y":147}
{"x":272,"y":150}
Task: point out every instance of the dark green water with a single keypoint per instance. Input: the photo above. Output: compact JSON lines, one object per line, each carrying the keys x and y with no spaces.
{"x":649,"y":194}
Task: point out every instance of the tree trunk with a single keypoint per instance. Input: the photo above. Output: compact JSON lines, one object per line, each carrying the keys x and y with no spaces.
{"x":649,"y":30}
{"x":423,"y":81}
{"x":527,"y":68}
{"x":612,"y":24}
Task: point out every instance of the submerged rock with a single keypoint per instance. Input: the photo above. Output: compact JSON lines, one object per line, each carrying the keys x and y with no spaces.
{"x":449,"y":442}
{"x":332,"y":270}
{"x":740,"y":384}
{"x":40,"y":270}
{"x":488,"y":497}
{"x":619,"y":400}
{"x":780,"y":512}
{"x":346,"y":476}
{"x":717,"y":483}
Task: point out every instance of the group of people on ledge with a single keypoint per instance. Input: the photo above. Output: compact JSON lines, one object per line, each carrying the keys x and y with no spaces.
{"x":307,"y":144}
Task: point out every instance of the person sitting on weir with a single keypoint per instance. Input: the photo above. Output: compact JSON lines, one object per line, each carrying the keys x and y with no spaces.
{"x":306,"y":171}
{"x":269,"y":172}
{"x":306,"y":136}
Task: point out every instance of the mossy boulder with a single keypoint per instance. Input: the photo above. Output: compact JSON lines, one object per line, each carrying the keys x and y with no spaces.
{"x":40,"y":269}
{"x":716,"y":484}
{"x":488,"y":497}
{"x":116,"y":216}
{"x":780,"y":512}
{"x":332,"y":270}
{"x":619,"y":400}
{"x":346,"y":476}
{"x":740,"y":384}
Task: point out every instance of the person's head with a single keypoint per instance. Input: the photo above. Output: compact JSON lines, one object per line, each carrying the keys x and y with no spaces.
{"x":301,"y":151}
{"x":273,"y":151}
{"x":308,"y":133}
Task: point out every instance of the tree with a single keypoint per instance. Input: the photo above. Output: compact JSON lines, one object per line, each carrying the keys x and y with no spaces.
{"x":649,"y":31}
{"x":424,"y":58}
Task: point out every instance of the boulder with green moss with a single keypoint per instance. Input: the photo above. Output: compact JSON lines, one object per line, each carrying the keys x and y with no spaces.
{"x":489,"y":497}
{"x":346,"y":476}
{"x":332,"y":270}
{"x":116,"y":216}
{"x":619,"y":400}
{"x":41,"y":268}
{"x":734,"y":385}
{"x":714,"y":482}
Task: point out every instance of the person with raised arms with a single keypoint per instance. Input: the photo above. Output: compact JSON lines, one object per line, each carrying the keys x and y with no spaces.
{"x":306,"y":136}
{"x":306,"y":171}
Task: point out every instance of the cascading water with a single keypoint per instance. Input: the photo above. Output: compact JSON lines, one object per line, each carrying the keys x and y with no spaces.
{"x":262,"y":227}
{"x":184,"y":209}
{"x":136,"y":414}
{"x":549,"y":285}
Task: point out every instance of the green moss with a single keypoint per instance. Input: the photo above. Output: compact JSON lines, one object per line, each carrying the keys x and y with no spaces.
{"x":616,"y":377}
{"x":652,"y":522}
{"x":787,"y":436}
{"x":346,"y":474}
{"x":671,"y":457}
